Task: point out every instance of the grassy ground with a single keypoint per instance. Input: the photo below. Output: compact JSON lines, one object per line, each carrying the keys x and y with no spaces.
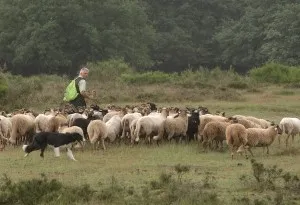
{"x":137,"y":166}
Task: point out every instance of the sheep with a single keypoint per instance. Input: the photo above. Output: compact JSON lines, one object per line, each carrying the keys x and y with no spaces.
{"x":73,"y":116}
{"x":174,"y":126}
{"x":236,"y":138}
{"x":22,"y":126}
{"x":259,"y":137}
{"x":214,"y":130}
{"x":109,"y":115}
{"x":83,"y":123}
{"x":289,"y":126}
{"x":132,"y":127}
{"x":49,"y":123}
{"x":5,"y":130}
{"x":72,"y":129}
{"x":204,"y":119}
{"x":97,"y":131}
{"x":261,"y":122}
{"x":126,"y":121}
{"x":113,"y":127}
{"x":193,"y":124}
{"x":247,"y":123}
{"x":149,"y":125}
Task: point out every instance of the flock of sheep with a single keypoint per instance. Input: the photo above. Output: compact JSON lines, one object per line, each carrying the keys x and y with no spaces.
{"x":133,"y":123}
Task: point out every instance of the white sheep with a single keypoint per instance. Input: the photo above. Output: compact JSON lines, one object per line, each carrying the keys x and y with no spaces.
{"x":109,"y":115}
{"x":49,"y":123}
{"x":174,"y":126}
{"x":126,"y":121}
{"x":22,"y":127}
{"x":261,"y":122}
{"x":236,"y":138}
{"x":5,"y":130}
{"x":148,"y":125}
{"x":259,"y":137}
{"x":289,"y":126}
{"x":113,"y":127}
{"x":97,"y":131}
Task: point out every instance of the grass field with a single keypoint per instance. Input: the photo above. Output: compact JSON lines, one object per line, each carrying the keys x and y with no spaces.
{"x":135,"y":169}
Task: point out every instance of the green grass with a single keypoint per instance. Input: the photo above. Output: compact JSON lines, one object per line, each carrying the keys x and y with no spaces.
{"x":139,"y":165}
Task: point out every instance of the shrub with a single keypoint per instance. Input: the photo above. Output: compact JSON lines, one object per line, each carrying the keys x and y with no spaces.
{"x":152,"y":77}
{"x":276,"y":73}
{"x":110,"y":70}
{"x":3,"y":86}
{"x":41,"y":191}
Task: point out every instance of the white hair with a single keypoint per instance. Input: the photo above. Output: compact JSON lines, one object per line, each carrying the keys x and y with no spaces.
{"x":84,"y":69}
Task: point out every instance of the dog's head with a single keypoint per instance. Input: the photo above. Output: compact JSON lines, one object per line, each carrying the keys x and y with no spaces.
{"x":77,"y":137}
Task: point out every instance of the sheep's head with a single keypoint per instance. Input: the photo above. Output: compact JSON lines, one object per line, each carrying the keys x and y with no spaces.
{"x":278,"y":129}
{"x":232,"y":120}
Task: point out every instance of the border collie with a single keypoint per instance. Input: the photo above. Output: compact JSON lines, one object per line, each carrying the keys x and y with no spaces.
{"x":42,"y":139}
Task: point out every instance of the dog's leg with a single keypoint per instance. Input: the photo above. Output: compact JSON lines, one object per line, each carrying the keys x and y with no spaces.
{"x":56,"y":151}
{"x":70,"y":154}
{"x":43,"y":147}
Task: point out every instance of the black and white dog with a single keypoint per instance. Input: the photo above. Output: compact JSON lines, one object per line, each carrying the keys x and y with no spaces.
{"x":42,"y":139}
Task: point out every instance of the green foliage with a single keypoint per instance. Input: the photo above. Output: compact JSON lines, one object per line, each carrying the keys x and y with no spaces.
{"x":110,"y":70}
{"x":41,"y":191}
{"x":276,"y":73}
{"x":152,"y":77}
{"x":3,"y":86}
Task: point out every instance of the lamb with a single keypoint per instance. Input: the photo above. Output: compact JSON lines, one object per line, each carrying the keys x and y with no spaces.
{"x":236,"y":138}
{"x":289,"y":126}
{"x":22,"y":126}
{"x":149,"y":125}
{"x":97,"y":131}
{"x":259,"y":137}
{"x":126,"y":121}
{"x":174,"y":126}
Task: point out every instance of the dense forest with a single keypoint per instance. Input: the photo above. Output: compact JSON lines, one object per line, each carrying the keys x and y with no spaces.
{"x":54,"y":36}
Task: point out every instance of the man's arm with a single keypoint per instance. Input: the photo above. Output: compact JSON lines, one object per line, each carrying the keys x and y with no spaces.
{"x":82,"y":88}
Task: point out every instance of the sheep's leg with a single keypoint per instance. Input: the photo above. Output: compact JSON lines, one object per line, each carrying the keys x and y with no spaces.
{"x":170,"y":135}
{"x":267,"y":149}
{"x":286,"y":140}
{"x":103,"y":144}
{"x":70,"y":154}
{"x":249,"y":149}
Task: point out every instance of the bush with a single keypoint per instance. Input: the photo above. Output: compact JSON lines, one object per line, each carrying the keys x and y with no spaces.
{"x":41,"y":191}
{"x":152,"y":77}
{"x":275,"y":73}
{"x":3,"y":86}
{"x":110,"y":70}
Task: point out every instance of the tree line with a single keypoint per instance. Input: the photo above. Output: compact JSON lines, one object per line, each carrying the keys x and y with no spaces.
{"x":54,"y":36}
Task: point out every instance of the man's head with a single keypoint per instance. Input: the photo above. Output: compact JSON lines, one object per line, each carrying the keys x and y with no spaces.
{"x":84,"y":72}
